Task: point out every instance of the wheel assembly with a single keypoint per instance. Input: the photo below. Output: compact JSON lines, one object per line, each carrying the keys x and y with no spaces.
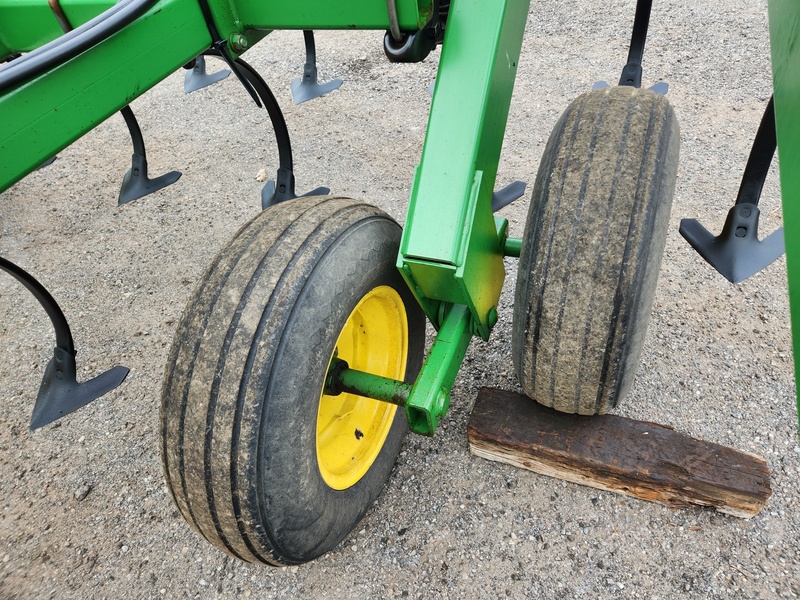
{"x":259,"y":460}
{"x":592,"y":247}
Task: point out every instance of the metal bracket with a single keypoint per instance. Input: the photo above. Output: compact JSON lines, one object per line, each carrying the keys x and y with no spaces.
{"x":412,"y":46}
{"x":272,"y":194}
{"x":60,"y":392}
{"x":426,"y":401}
{"x":455,"y":180}
{"x":737,"y":252}
{"x":430,"y":396}
{"x":632,"y":71}
{"x":307,"y":87}
{"x":197,"y":77}
{"x":660,"y":87}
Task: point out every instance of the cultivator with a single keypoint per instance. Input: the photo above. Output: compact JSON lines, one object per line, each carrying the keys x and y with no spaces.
{"x":312,"y":318}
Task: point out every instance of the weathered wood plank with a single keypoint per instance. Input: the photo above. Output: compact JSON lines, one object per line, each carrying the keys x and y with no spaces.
{"x":644,"y":460}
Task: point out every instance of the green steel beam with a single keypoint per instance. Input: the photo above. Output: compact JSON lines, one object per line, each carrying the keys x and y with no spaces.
{"x":451,"y":249}
{"x":430,"y":396}
{"x":27,"y":24}
{"x":784,"y":29}
{"x":58,"y":107}
{"x":328,"y":14}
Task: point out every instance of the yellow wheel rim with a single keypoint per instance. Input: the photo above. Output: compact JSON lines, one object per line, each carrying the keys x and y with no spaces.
{"x":351,"y":430}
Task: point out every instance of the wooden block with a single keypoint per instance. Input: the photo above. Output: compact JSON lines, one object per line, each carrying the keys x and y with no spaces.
{"x":644,"y":460}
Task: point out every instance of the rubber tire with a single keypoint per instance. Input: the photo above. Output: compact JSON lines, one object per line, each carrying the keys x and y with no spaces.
{"x":592,"y":248}
{"x":246,"y":370}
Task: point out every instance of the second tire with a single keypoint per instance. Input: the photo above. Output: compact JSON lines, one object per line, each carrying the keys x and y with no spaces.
{"x":594,"y":236}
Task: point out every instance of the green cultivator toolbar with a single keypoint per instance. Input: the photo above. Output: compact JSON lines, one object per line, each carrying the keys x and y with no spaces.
{"x":312,"y":319}
{"x":784,"y":22}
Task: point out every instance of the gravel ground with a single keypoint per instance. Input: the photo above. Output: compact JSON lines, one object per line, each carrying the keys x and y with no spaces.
{"x":84,"y":511}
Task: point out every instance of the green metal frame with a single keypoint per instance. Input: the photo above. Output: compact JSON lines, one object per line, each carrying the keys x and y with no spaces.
{"x":26,"y":26}
{"x":784,"y":30}
{"x":325,"y":14}
{"x":60,"y":106}
{"x":452,"y":248}
{"x":55,"y":109}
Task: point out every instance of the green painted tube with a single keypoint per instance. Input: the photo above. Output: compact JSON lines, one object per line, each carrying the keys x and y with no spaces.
{"x":512,"y":247}
{"x":370,"y":386}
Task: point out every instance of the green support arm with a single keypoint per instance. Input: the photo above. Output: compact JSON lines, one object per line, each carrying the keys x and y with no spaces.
{"x":784,"y":30}
{"x":451,"y":254}
{"x":451,"y":249}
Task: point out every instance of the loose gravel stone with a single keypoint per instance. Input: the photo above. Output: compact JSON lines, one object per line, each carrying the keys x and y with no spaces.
{"x":82,"y":492}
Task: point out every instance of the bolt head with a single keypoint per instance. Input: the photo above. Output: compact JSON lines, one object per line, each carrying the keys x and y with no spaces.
{"x":238,"y":42}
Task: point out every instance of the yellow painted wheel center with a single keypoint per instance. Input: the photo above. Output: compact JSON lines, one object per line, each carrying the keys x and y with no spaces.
{"x":351,"y":430}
